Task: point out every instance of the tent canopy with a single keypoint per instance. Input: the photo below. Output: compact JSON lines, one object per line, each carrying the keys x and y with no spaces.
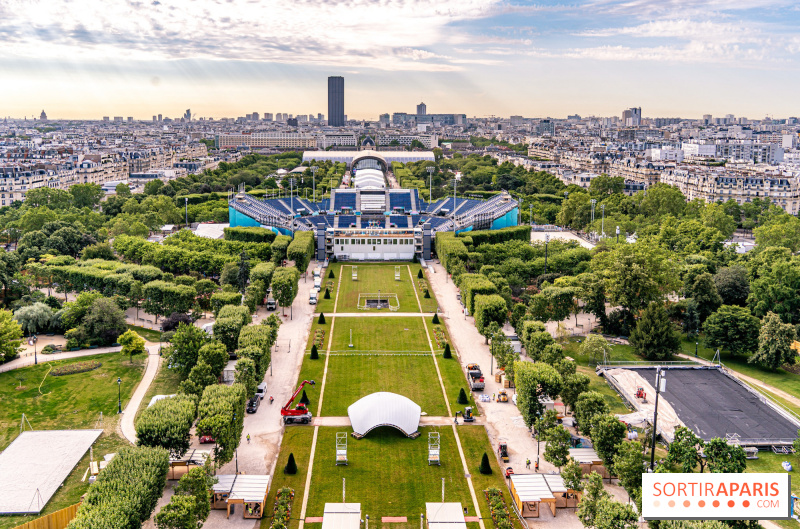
{"x":384,"y":409}
{"x":445,"y":516}
{"x":341,"y":516}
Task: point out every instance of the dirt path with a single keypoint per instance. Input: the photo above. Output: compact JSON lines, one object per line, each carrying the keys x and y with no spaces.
{"x":126,"y":425}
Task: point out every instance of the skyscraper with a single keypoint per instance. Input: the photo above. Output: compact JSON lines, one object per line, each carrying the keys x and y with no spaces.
{"x":336,"y":101}
{"x":422,"y":109}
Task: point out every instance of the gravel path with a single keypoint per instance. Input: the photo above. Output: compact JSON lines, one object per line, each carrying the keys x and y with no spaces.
{"x":129,"y":413}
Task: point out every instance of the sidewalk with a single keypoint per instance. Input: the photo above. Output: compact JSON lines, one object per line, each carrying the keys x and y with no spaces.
{"x":126,"y":425}
{"x":28,"y":358}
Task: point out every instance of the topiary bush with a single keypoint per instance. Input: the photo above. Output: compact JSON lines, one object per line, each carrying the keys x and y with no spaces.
{"x":321,"y":319}
{"x":435,"y":319}
{"x":427,"y":294}
{"x":331,"y":275}
{"x":485,"y":468}
{"x":314,"y":352}
{"x":291,"y":466}
{"x":327,"y":294}
{"x":420,"y":275}
{"x":447,"y":353}
{"x":462,"y":397}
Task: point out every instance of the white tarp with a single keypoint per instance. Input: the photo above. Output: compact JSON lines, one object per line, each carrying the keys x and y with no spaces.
{"x":384,"y":409}
{"x":35,"y":465}
{"x":341,"y":516}
{"x":445,"y":516}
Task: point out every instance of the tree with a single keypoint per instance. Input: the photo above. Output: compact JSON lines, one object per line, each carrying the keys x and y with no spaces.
{"x":607,"y":434}
{"x":100,"y":250}
{"x":553,"y":303}
{"x":196,"y":484}
{"x":575,"y":384}
{"x":314,"y":352}
{"x":654,"y":337}
{"x":733,"y":329}
{"x":732,"y":285}
{"x":122,"y":190}
{"x":628,"y":466}
{"x":714,"y":216}
{"x":534,"y":381}
{"x":615,"y":515}
{"x":435,"y":319}
{"x":229,"y":275}
{"x":589,"y":405}
{"x":131,"y":343}
{"x":724,"y":458}
{"x":685,"y":450}
{"x":243,"y":272}
{"x":174,"y":320}
{"x":775,"y":289}
{"x":186,"y":344}
{"x":542,"y":426}
{"x":485,"y":467}
{"x":153,"y":187}
{"x":10,"y":336}
{"x":488,"y":309}
{"x":245,"y":374}
{"x":774,"y":343}
{"x":179,"y":513}
{"x":447,"y":353}
{"x":782,"y":230}
{"x":168,"y":424}
{"x":200,"y":377}
{"x":284,"y":285}
{"x":86,"y":195}
{"x":34,"y":318}
{"x":596,"y":347}
{"x":556,"y":452}
{"x":105,"y":321}
{"x":215,"y":355}
{"x":572,"y":474}
{"x":291,"y":466}
{"x":594,"y":493}
{"x":704,"y":292}
{"x":462,"y":397}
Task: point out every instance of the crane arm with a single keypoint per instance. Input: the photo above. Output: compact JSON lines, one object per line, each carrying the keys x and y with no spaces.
{"x":297,"y":392}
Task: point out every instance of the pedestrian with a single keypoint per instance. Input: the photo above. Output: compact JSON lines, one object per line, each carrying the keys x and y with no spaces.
{"x":455,"y":419}
{"x":528,"y":463}
{"x":492,"y":397}
{"x":248,"y":438}
{"x":537,"y":465}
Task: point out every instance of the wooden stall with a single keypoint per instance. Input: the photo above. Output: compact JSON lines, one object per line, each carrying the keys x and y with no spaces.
{"x":248,"y":491}
{"x":528,"y":491}
{"x":192,"y":458}
{"x":589,"y":461}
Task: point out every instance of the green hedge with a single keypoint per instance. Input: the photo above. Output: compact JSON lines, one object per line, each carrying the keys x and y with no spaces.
{"x":250,"y":234}
{"x":221,"y":415}
{"x":221,"y":299}
{"x":167,"y":424}
{"x":301,"y":249}
{"x":472,"y":285}
{"x":126,"y":492}
{"x":519,"y":233}
{"x":450,"y":250}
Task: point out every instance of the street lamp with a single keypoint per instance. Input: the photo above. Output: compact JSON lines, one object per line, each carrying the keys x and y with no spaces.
{"x":186,"y":204}
{"x":617,"y":234}
{"x":594,"y":201}
{"x":603,"y":222}
{"x":661,"y":385}
{"x":35,"y":339}
{"x":314,"y":180}
{"x":695,"y":348}
{"x":431,"y":170}
{"x":530,"y":214}
{"x":119,"y":395}
{"x":546,"y":242}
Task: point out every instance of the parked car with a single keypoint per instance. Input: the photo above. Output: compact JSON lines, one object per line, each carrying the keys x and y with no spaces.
{"x":261,"y":390}
{"x":252,"y":404}
{"x":205,"y":439}
{"x":271,"y":305}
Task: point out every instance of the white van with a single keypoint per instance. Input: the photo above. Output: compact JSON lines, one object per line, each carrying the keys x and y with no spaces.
{"x":312,"y":298}
{"x":318,"y":272}
{"x":261,"y":390}
{"x":317,"y":283}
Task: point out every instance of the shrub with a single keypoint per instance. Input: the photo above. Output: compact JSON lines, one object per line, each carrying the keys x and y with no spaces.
{"x":330,"y":274}
{"x":420,"y":274}
{"x":462,"y":397}
{"x":291,"y":466}
{"x":321,"y":319}
{"x":77,"y":367}
{"x":485,"y":468}
{"x":427,"y":294}
{"x":304,"y":399}
{"x":167,"y":424}
{"x":435,"y":319}
{"x":176,"y":318}
{"x":314,"y":352}
{"x":447,"y":353}
{"x":327,"y":294}
{"x":221,"y":415}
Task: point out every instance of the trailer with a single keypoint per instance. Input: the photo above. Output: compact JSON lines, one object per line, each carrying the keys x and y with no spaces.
{"x":475,"y":377}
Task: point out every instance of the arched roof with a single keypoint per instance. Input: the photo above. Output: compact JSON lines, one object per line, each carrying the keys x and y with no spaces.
{"x":384,"y":409}
{"x":369,"y":178}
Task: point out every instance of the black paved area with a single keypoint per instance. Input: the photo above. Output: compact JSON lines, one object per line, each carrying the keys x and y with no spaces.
{"x":713,"y":404}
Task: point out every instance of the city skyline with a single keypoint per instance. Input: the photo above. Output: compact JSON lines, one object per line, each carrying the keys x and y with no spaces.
{"x":482,"y":57}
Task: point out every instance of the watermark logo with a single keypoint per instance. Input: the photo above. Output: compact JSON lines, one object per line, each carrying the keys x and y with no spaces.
{"x":716,"y":496}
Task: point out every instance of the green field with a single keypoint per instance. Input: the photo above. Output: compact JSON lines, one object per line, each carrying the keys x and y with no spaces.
{"x":374,"y":278}
{"x":72,"y":489}
{"x":599,"y":384}
{"x":297,"y":441}
{"x":69,"y":401}
{"x":388,"y":474}
{"x":380,"y":334}
{"x":167,"y":382}
{"x":352,"y":377}
{"x":148,"y":334}
{"x":326,"y":305}
{"x":325,"y":328}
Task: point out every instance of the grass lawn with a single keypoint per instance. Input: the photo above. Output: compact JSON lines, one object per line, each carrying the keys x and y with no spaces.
{"x":380,"y":334}
{"x":475,"y":442}
{"x":296,"y":440}
{"x":428,"y":304}
{"x":325,"y":334}
{"x":167,"y":382}
{"x":310,"y":370}
{"x":599,"y":384}
{"x":770,"y":462}
{"x":352,"y":377}
{"x":72,"y":490}
{"x":69,"y":401}
{"x":148,"y":334}
{"x":387,"y":473}
{"x":618,"y":353}
{"x":373,"y":278}
{"x":326,"y":305}
{"x":453,"y":377}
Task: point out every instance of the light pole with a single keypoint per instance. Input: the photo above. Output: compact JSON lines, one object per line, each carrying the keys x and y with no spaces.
{"x":530,"y":214}
{"x":661,"y":385}
{"x":546,"y":242}
{"x":431,"y":170}
{"x":186,"y":204}
{"x":314,"y":180}
{"x":35,"y":339}
{"x":291,"y":198}
{"x":617,"y":234}
{"x":119,"y":395}
{"x":603,"y":222}
{"x":695,"y":348}
{"x":594,"y":201}
{"x":454,"y":204}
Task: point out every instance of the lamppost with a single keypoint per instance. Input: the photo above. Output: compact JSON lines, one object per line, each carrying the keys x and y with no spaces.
{"x":431,"y":169}
{"x":661,"y":385}
{"x":546,"y":242}
{"x":35,"y":339}
{"x":454,"y":204}
{"x":603,"y":222}
{"x":314,"y":180}
{"x":119,"y":395}
{"x":530,"y":214}
{"x":695,"y":348}
{"x":594,"y":201}
{"x":617,"y":234}
{"x":186,"y":204}
{"x":291,"y":198}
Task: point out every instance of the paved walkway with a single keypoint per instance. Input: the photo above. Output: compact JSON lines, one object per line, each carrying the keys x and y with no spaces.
{"x":383,"y":314}
{"x":126,"y":425}
{"x":750,"y":380}
{"x":27,"y":359}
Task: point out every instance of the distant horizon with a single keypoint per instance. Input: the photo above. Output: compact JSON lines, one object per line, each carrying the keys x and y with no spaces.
{"x":476,"y":57}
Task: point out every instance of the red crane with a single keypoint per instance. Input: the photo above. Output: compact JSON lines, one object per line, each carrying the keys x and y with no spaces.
{"x":300,"y":412}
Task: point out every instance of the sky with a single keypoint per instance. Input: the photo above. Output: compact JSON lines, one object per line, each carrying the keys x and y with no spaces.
{"x":84,"y":59}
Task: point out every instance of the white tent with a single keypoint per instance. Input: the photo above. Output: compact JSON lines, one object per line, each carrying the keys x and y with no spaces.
{"x":341,"y":516}
{"x":384,"y":409}
{"x":445,"y":516}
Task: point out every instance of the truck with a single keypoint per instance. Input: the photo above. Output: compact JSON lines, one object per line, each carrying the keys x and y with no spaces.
{"x":475,"y":377}
{"x":300,"y":413}
{"x":312,"y":297}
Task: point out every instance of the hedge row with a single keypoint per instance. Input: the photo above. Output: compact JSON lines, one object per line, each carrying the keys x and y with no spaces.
{"x":520,"y":233}
{"x":171,"y":258}
{"x":126,"y":492}
{"x":301,"y":249}
{"x":167,"y":424}
{"x":450,"y":250}
{"x":221,"y":415}
{"x":472,"y":285}
{"x":189,"y":241}
{"x":249,"y":234}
